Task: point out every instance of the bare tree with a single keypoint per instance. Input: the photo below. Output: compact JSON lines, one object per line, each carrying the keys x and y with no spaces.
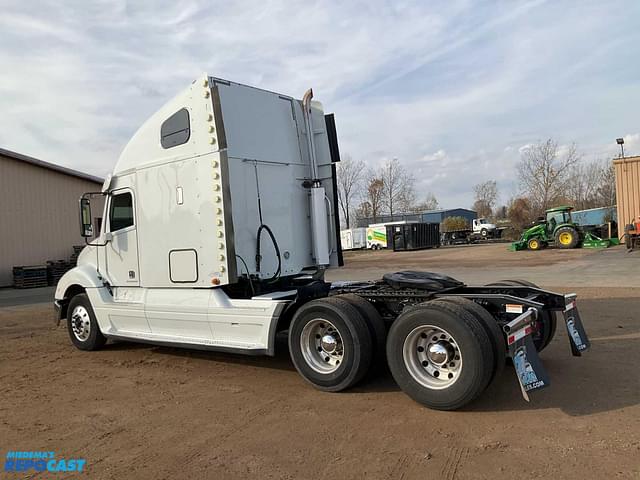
{"x":350,"y":176}
{"x":486,"y":194}
{"x":398,"y":186}
{"x":501,"y":213}
{"x":519,"y":213}
{"x":544,"y":172}
{"x":375,"y":196}
{"x":606,"y":191}
{"x":430,"y":202}
{"x":363,"y":210}
{"x":582,"y":185}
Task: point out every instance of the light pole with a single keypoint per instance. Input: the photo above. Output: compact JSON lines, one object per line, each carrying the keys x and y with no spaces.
{"x":620,"y":141}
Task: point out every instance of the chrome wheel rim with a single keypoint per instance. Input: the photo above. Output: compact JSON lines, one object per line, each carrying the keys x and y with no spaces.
{"x":322,"y":346}
{"x":81,"y":323}
{"x":432,"y":357}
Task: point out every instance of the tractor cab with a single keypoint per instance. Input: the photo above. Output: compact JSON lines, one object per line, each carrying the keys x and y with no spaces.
{"x":558,"y":216}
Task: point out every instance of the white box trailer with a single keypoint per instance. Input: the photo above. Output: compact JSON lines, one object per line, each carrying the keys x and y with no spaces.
{"x":353,"y":238}
{"x":220,"y":221}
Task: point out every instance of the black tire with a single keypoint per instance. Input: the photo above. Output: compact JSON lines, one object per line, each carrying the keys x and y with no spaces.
{"x":355,"y":337}
{"x":628,"y":242}
{"x":80,"y":308}
{"x":473,"y":345}
{"x":573,"y":243}
{"x":375,"y":324}
{"x":496,"y":337}
{"x":547,"y":322}
{"x":483,"y":232}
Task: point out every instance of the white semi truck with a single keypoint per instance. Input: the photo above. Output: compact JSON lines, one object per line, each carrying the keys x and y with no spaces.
{"x":220,"y":222}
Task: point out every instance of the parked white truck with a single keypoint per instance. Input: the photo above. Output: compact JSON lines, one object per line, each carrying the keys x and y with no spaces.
{"x":480,"y":230}
{"x":220,"y":221}
{"x":482,"y":227}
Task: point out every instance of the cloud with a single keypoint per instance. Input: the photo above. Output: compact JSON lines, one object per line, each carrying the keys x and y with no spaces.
{"x":453,"y":90}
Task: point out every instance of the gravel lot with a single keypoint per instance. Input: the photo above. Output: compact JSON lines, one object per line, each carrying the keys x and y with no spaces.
{"x":138,"y":411}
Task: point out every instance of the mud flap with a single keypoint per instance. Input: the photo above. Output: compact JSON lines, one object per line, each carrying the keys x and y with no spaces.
{"x":529,"y":369}
{"x":577,"y":335}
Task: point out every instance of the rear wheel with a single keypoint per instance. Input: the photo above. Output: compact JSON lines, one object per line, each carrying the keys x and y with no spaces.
{"x":440,"y":355}
{"x":490,"y":326}
{"x":82,"y":325}
{"x":566,"y":237}
{"x":375,"y":324}
{"x":330,"y":344}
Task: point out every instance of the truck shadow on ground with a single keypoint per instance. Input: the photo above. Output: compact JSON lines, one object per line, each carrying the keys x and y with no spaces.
{"x":605,"y":378}
{"x":579,"y":386}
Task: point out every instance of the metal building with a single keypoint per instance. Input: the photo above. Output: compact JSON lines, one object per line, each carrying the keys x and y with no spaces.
{"x":627,"y":190}
{"x":427,"y":216}
{"x":437,"y":216}
{"x":595,"y":216}
{"x":39,"y":211}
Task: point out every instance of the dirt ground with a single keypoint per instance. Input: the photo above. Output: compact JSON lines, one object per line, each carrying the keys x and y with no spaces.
{"x":137,"y":411}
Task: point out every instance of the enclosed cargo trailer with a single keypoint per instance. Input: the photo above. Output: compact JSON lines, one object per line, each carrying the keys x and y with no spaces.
{"x":353,"y":238}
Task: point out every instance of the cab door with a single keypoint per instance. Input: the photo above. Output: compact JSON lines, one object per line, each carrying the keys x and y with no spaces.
{"x":122,"y":249}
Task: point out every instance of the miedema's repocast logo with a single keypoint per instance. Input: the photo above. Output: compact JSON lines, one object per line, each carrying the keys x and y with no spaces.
{"x":41,"y":462}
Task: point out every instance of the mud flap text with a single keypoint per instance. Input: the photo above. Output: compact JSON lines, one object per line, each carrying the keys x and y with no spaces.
{"x":577,"y":335}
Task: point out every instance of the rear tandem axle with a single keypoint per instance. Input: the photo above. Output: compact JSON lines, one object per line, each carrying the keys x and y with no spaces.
{"x":445,"y":341}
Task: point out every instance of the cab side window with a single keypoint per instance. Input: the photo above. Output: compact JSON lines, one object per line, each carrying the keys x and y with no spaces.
{"x":121,"y":211}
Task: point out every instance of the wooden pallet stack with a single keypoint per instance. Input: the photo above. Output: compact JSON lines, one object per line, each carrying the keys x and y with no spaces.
{"x":76,"y":251}
{"x":56,"y":269}
{"x":31,"y":276}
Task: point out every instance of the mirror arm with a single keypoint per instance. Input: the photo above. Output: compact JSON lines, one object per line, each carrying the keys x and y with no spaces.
{"x":88,"y":195}
{"x":107,"y":238}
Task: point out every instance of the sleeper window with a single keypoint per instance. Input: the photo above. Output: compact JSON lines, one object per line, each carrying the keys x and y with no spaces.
{"x":121,"y":212}
{"x":175,"y":130}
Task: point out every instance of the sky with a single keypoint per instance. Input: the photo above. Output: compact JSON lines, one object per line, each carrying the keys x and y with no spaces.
{"x":454,"y":89}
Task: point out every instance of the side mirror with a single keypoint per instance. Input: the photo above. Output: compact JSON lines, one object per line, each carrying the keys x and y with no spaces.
{"x":86,"y":228}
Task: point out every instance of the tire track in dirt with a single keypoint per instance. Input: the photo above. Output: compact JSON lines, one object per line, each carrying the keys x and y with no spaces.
{"x":399,"y":470}
{"x":455,"y":457}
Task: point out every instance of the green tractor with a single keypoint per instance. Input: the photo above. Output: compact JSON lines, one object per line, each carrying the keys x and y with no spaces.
{"x":556,"y":229}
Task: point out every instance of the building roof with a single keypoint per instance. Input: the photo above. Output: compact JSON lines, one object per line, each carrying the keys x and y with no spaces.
{"x":444,"y":210}
{"x":626,"y":159}
{"x":50,"y":166}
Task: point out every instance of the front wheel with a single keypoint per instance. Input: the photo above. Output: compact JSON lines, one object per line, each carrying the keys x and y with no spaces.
{"x":534,"y":244}
{"x":82,"y":324}
{"x":330,"y":344}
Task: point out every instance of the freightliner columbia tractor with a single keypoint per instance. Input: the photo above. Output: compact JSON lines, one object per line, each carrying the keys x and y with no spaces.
{"x":221,"y":220}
